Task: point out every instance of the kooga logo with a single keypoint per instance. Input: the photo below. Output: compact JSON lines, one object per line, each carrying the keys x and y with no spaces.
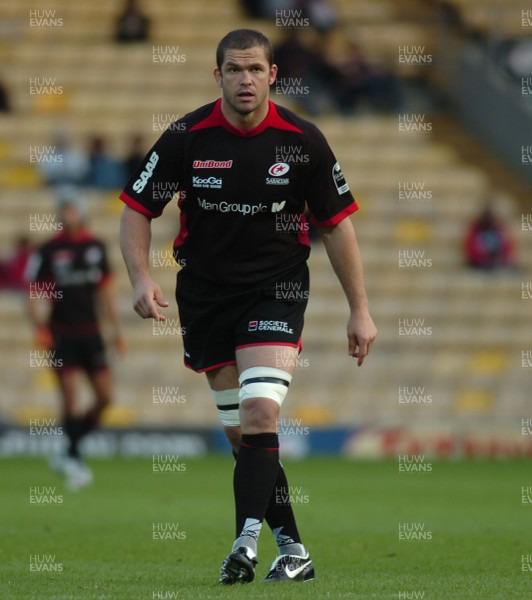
{"x":141,"y":182}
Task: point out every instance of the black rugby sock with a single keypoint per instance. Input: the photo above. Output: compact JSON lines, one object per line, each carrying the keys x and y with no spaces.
{"x":256,"y":471}
{"x":279,"y":514}
{"x":73,"y":428}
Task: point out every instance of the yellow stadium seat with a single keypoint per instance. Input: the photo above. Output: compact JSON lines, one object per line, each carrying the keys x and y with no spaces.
{"x":412,"y":231}
{"x":314,"y":415}
{"x":489,"y":361}
{"x":20,"y":176}
{"x":44,"y":380}
{"x":119,"y":416}
{"x":25,"y":414}
{"x":51,"y":103}
{"x":473,"y":401}
{"x":5,"y":149}
{"x":112,"y":204}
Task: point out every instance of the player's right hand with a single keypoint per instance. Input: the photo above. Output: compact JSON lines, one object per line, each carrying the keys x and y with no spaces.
{"x":147,"y":298}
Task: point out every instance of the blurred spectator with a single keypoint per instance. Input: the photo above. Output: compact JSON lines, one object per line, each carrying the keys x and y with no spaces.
{"x":488,"y":244}
{"x":359,"y":78}
{"x":135,"y":154}
{"x":4,"y":99}
{"x":341,"y":82}
{"x":132,"y":25}
{"x":65,"y":164}
{"x":320,"y":14}
{"x":12,"y":268}
{"x":256,"y":9}
{"x":304,"y":75}
{"x":105,"y":172}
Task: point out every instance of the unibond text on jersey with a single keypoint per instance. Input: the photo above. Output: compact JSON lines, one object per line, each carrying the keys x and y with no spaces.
{"x":212,"y":164}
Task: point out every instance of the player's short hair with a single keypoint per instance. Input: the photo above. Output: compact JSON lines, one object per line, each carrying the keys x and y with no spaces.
{"x":69,"y":195}
{"x":242,"y":39}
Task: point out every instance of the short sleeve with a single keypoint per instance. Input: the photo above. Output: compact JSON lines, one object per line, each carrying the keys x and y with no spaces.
{"x":155,"y":182}
{"x":327,"y":194}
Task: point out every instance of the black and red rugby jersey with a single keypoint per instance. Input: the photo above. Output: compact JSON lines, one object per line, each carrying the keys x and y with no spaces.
{"x":74,"y":266}
{"x":242,"y":195}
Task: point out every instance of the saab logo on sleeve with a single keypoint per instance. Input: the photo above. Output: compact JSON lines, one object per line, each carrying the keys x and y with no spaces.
{"x":141,"y":182}
{"x":339,"y":180}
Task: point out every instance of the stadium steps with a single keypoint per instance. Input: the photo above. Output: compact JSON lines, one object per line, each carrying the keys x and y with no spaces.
{"x":471,"y":365}
{"x":501,"y":18}
{"x":474,"y":154}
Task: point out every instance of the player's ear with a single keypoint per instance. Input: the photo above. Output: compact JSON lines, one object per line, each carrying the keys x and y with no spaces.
{"x":273,"y":74}
{"x":218,"y":76}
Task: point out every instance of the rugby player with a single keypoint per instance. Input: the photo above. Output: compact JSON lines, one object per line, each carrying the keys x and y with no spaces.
{"x":71,"y":274}
{"x":239,"y":192}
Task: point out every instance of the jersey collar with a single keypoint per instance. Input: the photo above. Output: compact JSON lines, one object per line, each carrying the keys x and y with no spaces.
{"x":272,"y":119}
{"x":80,"y":236}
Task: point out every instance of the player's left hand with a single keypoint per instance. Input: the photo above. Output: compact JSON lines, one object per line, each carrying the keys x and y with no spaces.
{"x":44,"y":337}
{"x":361,"y":333}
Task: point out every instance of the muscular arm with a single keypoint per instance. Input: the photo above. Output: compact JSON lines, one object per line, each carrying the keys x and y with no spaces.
{"x":342,"y":249}
{"x":135,"y":239}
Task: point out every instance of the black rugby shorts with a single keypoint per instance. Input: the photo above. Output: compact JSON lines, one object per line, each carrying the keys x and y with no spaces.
{"x":216,"y":320}
{"x":85,"y":352}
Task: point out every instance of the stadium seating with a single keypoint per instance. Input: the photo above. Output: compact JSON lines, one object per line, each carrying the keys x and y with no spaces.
{"x":498,"y":18}
{"x":468,"y":364}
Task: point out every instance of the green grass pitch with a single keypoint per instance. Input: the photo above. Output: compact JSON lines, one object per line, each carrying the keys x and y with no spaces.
{"x":98,"y":543}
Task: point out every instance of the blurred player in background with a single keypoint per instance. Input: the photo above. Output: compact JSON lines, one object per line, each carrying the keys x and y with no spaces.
{"x":71,"y":273}
{"x":246,"y":169}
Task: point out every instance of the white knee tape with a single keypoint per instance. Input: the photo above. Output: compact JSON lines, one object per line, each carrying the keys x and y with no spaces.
{"x":264,"y":382}
{"x":227,"y":403}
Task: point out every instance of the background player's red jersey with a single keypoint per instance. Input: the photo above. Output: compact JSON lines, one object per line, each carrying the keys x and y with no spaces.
{"x":76,"y":265}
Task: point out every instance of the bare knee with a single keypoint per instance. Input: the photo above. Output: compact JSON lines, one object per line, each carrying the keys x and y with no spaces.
{"x":259,"y":415}
{"x":224,"y":378}
{"x":234,"y":436}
